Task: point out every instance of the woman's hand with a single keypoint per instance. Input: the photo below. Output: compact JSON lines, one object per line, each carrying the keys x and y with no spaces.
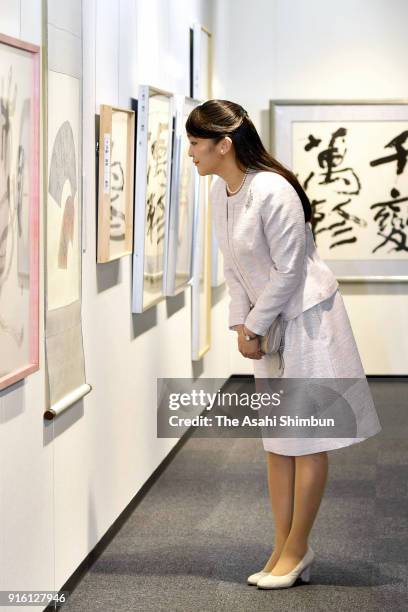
{"x":248,"y":348}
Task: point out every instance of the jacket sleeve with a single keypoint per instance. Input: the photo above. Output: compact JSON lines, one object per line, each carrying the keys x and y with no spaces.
{"x":239,"y":305}
{"x":285,"y":232}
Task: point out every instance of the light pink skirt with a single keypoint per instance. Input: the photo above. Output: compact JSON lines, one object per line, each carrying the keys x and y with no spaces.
{"x":319,"y":343}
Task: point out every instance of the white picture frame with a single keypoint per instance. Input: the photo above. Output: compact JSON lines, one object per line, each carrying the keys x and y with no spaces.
{"x":201,"y":86}
{"x":201,"y":279}
{"x":178,"y":268}
{"x":152,"y":195}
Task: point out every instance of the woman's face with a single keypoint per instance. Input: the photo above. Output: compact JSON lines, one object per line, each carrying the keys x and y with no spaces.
{"x":205,"y":154}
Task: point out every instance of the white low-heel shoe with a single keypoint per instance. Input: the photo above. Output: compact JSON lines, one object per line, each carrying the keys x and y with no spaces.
{"x":302,"y":569}
{"x":253,"y":578}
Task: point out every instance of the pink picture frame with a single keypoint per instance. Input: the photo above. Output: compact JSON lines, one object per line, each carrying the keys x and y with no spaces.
{"x":24,"y":273}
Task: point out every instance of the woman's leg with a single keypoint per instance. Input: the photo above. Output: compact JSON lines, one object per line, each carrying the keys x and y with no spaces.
{"x":310,"y":480}
{"x":281,"y":480}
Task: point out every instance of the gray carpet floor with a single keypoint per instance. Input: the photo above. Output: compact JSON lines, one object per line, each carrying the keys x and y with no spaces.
{"x":206,"y":524}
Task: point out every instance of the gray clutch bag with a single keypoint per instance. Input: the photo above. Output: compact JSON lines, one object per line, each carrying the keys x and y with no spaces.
{"x":273,"y":340}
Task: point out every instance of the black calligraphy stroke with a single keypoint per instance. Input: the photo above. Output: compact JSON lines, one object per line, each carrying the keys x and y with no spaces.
{"x":400,"y":155}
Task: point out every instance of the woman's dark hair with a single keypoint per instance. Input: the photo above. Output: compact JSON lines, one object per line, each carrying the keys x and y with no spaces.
{"x":219,"y":118}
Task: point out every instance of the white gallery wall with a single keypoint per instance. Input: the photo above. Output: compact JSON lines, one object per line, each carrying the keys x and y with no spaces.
{"x":312,"y":49}
{"x":63,"y":483}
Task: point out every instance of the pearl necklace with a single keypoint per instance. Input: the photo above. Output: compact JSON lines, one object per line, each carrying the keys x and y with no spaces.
{"x":230,"y":193}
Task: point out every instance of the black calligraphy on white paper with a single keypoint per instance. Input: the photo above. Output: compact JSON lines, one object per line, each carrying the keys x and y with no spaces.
{"x":336,"y":184}
{"x":356,"y":177}
{"x":158,"y":154}
{"x":391,"y":215}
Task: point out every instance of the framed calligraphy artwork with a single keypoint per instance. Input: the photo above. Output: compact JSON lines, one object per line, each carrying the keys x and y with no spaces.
{"x":19,"y":208}
{"x":115,"y":192}
{"x":351,"y":158}
{"x":152,"y":195}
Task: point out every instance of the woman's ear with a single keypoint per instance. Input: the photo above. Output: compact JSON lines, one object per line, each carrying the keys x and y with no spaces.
{"x":226,"y":144}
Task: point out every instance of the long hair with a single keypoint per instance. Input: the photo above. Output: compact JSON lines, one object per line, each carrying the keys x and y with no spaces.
{"x":219,"y":118}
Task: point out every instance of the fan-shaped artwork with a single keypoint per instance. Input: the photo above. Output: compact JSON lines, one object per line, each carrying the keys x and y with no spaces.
{"x":19,"y":194}
{"x":63,"y":168}
{"x":63,"y":163}
{"x":62,"y":212}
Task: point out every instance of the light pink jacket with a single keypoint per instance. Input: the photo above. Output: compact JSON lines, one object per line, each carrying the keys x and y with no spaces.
{"x":271,"y":264}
